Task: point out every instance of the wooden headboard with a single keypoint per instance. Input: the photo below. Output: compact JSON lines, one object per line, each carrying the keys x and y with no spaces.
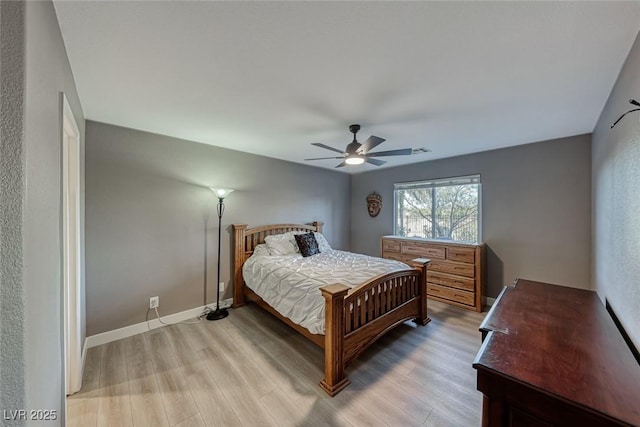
{"x":246,"y":240}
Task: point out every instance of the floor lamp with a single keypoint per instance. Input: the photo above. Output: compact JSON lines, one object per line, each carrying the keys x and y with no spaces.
{"x":220,"y":193}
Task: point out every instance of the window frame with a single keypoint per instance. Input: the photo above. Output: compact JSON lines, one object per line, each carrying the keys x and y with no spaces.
{"x":435,"y":183}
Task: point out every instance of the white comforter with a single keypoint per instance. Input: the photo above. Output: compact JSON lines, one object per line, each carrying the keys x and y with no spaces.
{"x":291,"y":284}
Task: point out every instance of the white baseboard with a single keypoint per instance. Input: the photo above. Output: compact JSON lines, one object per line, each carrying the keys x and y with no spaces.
{"x":489,"y":301}
{"x":128,"y":331}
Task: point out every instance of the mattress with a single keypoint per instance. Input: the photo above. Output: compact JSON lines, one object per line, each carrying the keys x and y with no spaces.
{"x":291,"y":283}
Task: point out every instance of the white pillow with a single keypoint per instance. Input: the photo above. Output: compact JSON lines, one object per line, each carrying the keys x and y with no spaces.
{"x":282,"y":244}
{"x":261,"y":250}
{"x":323,"y":245}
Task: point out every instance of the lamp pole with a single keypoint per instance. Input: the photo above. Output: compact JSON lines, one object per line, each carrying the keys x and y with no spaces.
{"x":219,"y":313}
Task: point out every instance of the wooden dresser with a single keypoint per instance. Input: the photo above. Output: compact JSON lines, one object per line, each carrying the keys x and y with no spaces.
{"x":552,"y":356}
{"x":455,"y":274}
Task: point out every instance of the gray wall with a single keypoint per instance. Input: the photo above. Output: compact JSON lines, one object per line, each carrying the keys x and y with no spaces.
{"x":536,"y":204}
{"x":616,"y":199}
{"x":12,"y":369}
{"x":148,"y":206}
{"x":31,"y":243}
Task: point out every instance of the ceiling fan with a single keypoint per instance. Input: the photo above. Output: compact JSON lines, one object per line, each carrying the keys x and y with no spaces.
{"x":356,"y":153}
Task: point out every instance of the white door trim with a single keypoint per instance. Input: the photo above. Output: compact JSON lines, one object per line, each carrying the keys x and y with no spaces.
{"x":72,"y":248}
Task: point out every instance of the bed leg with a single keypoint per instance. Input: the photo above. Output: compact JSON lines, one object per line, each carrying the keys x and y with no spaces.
{"x":238,"y":300}
{"x":422,"y":264}
{"x":334,"y":380}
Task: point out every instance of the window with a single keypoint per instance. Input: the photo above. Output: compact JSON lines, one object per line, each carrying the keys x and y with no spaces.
{"x":439,"y":209}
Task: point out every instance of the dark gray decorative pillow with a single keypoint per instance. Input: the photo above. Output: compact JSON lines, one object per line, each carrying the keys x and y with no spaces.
{"x":307,"y":243}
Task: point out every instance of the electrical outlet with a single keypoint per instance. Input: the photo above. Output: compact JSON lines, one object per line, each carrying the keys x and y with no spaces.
{"x":221,"y":286}
{"x":154,"y":302}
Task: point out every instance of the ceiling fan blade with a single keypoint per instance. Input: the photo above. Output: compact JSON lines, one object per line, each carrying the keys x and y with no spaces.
{"x":371,"y":143}
{"x":317,"y":144}
{"x":325,"y":158}
{"x":375,"y":162}
{"x":400,"y":152}
{"x":341,"y":165}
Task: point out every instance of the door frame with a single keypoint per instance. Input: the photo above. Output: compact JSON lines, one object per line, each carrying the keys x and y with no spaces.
{"x":72,"y":249}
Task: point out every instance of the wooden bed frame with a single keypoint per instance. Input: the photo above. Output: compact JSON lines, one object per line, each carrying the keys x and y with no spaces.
{"x":354,"y":317}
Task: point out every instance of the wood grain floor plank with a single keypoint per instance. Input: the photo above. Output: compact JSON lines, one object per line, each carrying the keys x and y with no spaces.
{"x":240,"y":395}
{"x":436,"y":419}
{"x":192,"y":334}
{"x":193,"y":421}
{"x":292,"y":373}
{"x":82,"y":413}
{"x":377,"y":379}
{"x":186,"y":355}
{"x":114,"y":404}
{"x":147,"y":407}
{"x":315,"y":411}
{"x":251,"y":369}
{"x":282,"y":408}
{"x":176,"y":396}
{"x":445,"y":395}
{"x":355,"y":408}
{"x":213,"y":405}
{"x":381,"y":404}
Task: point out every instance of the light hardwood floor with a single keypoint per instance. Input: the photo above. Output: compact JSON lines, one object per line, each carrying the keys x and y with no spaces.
{"x":250,"y":369}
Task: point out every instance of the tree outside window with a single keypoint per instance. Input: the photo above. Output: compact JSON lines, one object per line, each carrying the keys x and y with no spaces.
{"x":441,"y":209}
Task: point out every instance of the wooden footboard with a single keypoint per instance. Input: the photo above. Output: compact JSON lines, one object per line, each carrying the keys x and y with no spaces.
{"x":354,"y":318}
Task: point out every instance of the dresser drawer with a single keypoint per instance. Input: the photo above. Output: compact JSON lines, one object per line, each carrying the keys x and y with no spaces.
{"x":393,"y":255}
{"x":461,"y":254}
{"x":390,"y":246}
{"x":463,"y":283}
{"x":451,"y":294}
{"x":457,"y":268}
{"x":424,"y":250}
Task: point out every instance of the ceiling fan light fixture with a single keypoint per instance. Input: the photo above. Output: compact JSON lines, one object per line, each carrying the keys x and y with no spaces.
{"x":357,"y":154}
{"x":354,"y":160}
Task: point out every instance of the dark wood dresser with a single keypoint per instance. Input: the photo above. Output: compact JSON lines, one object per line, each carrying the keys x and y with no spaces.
{"x":552,"y":356}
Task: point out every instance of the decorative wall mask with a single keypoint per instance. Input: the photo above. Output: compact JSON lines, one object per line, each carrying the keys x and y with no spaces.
{"x":374,"y":204}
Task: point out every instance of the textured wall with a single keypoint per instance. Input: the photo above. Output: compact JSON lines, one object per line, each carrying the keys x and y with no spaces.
{"x":47,"y":75}
{"x":12,"y":392}
{"x":34,"y":70}
{"x":616,"y":199}
{"x":148,"y":206}
{"x":536,"y":202}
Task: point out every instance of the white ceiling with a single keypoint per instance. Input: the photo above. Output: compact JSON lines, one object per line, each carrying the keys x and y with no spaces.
{"x":271,"y":77}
